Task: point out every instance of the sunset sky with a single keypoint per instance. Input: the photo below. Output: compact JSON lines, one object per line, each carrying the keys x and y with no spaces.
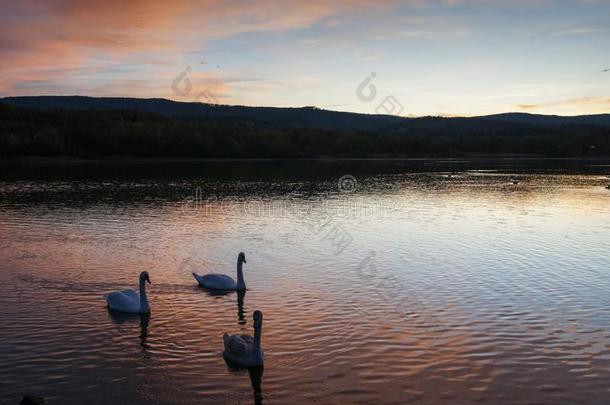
{"x":449,"y":57}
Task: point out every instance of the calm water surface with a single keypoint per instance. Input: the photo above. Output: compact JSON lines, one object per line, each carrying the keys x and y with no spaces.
{"x":410,"y":287}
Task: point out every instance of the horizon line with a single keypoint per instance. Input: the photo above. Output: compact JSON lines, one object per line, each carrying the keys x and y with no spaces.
{"x":438,"y":115}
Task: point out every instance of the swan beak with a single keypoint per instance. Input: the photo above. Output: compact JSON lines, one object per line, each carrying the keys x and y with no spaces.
{"x":245,"y":260}
{"x":148,"y":280}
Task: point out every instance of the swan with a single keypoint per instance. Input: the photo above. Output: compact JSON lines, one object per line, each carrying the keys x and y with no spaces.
{"x":129,"y":300}
{"x":223,"y":282}
{"x":245,"y":350}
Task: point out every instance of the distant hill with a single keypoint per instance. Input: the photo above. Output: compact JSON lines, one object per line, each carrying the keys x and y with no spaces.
{"x":106,"y":127}
{"x":306,"y":117}
{"x":534,"y":119}
{"x":311,"y":117}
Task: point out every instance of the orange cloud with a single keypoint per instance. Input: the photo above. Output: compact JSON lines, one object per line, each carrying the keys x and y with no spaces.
{"x":586,"y":104}
{"x":43,"y":41}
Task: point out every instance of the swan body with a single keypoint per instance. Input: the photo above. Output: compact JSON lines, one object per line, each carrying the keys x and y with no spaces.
{"x":224,"y":282}
{"x":245,"y":350}
{"x":129,"y":300}
{"x":216,"y":281}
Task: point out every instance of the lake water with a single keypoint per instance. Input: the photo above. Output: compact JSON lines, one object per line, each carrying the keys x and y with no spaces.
{"x":404,"y":283}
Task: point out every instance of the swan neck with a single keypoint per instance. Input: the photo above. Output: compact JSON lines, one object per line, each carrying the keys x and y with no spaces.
{"x":143,"y":298}
{"x":258,"y":332}
{"x":241,"y":284}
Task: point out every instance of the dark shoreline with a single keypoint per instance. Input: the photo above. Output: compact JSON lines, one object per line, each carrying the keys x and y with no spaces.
{"x":42,"y":160}
{"x":169,"y":169}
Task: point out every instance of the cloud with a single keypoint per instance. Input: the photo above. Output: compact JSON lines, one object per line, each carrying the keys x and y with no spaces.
{"x":45,"y":41}
{"x":581,"y":31}
{"x":587,"y":103}
{"x":137,"y":47}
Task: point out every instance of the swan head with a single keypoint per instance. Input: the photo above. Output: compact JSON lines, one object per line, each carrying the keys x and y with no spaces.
{"x":258,"y":319}
{"x":145,"y":277}
{"x":242,"y":257}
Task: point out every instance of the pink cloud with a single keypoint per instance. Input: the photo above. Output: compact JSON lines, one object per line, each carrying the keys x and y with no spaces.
{"x":48,"y":40}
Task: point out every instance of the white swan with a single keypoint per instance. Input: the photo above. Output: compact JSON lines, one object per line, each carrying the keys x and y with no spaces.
{"x":246,"y":350}
{"x":223,"y":282}
{"x":129,"y":300}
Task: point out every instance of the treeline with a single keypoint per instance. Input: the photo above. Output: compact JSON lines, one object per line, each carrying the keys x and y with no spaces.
{"x":27,"y":132}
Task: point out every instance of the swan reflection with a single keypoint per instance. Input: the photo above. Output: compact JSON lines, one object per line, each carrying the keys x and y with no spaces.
{"x":256,"y":378}
{"x":120,"y":318}
{"x":241,"y":295}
